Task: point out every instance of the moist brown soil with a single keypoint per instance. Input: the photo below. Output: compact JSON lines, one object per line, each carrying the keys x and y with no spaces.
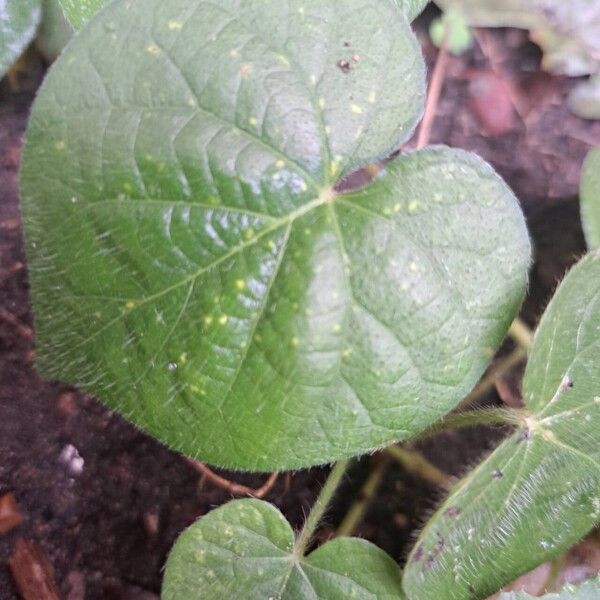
{"x":107,"y":529}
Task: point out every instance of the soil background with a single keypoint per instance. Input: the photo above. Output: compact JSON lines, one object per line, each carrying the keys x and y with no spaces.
{"x":106,"y":528}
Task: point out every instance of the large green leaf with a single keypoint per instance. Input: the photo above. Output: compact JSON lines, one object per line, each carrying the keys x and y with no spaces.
{"x":192,"y":264}
{"x":539,"y":492}
{"x":246,"y":550}
{"x":18,"y":23}
{"x":590,"y":198}
{"x":78,"y":12}
{"x":590,"y":590}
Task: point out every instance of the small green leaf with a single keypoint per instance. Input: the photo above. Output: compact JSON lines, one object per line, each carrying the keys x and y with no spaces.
{"x":539,"y":492}
{"x":459,"y":36}
{"x":590,"y":590}
{"x":245,"y":550}
{"x":192,"y":265}
{"x":54,"y":32}
{"x":589,"y":198}
{"x":78,"y":12}
{"x":19,"y":20}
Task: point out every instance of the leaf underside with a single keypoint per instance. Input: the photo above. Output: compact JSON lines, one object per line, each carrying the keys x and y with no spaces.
{"x":509,"y":514}
{"x":18,"y":23}
{"x":590,"y":198}
{"x":244,"y":550}
{"x":192,"y":265}
{"x":590,"y":590}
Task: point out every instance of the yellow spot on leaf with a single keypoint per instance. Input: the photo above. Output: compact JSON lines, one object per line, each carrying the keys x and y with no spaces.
{"x":240,"y":284}
{"x":152,"y":49}
{"x":223,"y":319}
{"x":356,"y":109}
{"x":60,"y":145}
{"x":174,"y":25}
{"x":372,"y":97}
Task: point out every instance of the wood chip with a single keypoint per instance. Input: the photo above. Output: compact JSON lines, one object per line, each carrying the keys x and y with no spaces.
{"x":10,"y":515}
{"x":32,"y":572}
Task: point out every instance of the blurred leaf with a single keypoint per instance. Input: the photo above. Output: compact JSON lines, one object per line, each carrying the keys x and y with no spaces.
{"x":590,"y":198}
{"x":54,"y":32}
{"x":245,"y":550}
{"x":459,"y":38}
{"x":19,"y":20}
{"x":590,"y":590}
{"x":567,"y":30}
{"x":584,"y":100}
{"x":539,"y":492}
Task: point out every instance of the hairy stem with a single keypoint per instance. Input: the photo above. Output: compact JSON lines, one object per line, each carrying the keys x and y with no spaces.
{"x":486,"y":416}
{"x":358,"y":509}
{"x":320,"y":506}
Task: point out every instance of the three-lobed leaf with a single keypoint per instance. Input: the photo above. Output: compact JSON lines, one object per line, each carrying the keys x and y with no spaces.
{"x":538,"y":493}
{"x":19,"y":20}
{"x":193,"y":265}
{"x":590,"y":590}
{"x":590,"y":198}
{"x":246,"y":549}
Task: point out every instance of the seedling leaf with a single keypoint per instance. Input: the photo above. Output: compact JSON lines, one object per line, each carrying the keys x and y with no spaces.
{"x":590,"y":198}
{"x":192,"y":264}
{"x":538,"y":493}
{"x":245,"y":550}
{"x":18,"y":23}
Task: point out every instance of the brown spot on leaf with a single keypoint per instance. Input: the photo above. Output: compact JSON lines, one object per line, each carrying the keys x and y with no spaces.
{"x":343,"y":65}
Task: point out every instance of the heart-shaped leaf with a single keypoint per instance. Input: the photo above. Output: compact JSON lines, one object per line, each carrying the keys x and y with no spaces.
{"x":192,"y":264}
{"x":590,"y":198}
{"x":246,"y":550}
{"x":78,"y":12}
{"x":539,"y":492}
{"x":590,"y":590}
{"x":18,"y":23}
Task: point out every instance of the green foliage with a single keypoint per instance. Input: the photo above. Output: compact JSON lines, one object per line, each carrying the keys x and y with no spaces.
{"x":459,"y":36}
{"x":246,"y":550}
{"x":590,"y":590}
{"x":78,"y":12}
{"x":590,"y":198}
{"x":538,"y":493}
{"x":54,"y":32}
{"x":19,"y":20}
{"x":192,"y":265}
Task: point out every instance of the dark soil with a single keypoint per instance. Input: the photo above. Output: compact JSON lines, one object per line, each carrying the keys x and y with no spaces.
{"x":107,"y":529}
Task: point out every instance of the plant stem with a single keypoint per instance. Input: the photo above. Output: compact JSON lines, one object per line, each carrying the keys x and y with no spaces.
{"x":415,"y":463}
{"x":358,"y":509}
{"x":486,"y":416}
{"x":433,"y":96}
{"x":319,"y":507}
{"x":237,"y":489}
{"x":521,"y":334}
